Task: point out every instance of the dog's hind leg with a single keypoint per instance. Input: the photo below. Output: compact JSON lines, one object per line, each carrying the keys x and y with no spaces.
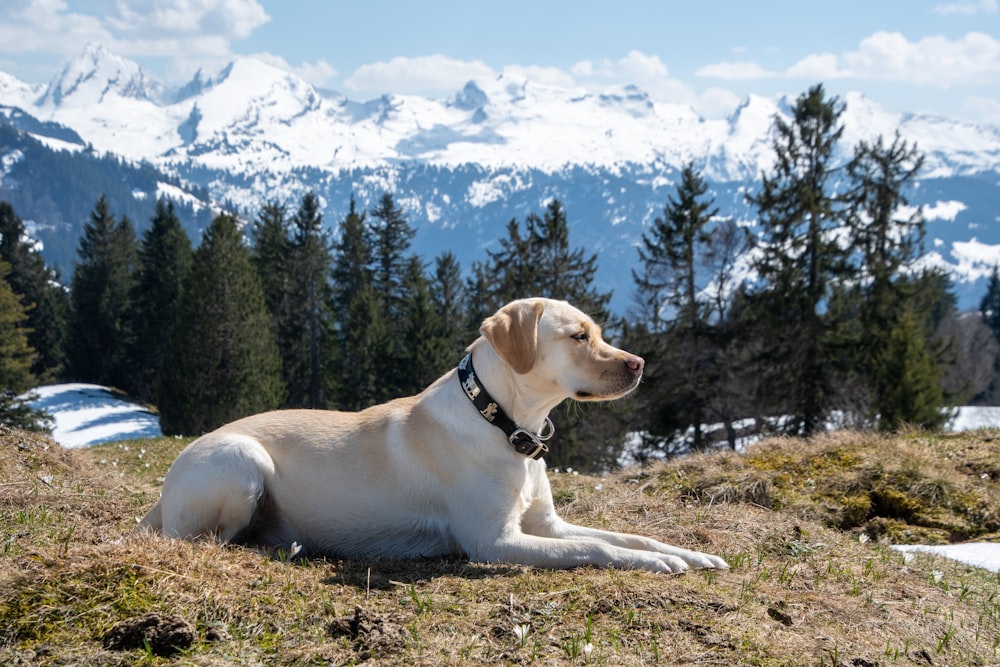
{"x":214,"y":488}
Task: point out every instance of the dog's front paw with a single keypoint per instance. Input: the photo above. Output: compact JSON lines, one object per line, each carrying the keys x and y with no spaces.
{"x":701,"y":561}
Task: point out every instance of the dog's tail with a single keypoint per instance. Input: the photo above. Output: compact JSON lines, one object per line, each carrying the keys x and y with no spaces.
{"x":152,"y":522}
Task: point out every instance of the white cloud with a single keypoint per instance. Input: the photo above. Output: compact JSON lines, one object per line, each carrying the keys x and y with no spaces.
{"x":417,"y":76}
{"x":233,"y":19}
{"x":890,"y":56}
{"x":817,"y":67}
{"x":190,"y":33}
{"x":967,"y":7}
{"x":938,"y":61}
{"x":636,"y":67}
{"x":45,"y":26}
{"x":734,"y":71}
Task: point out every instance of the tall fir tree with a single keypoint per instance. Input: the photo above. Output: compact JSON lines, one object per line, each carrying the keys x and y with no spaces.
{"x":888,"y":236}
{"x":100,"y":334}
{"x":914,"y":397}
{"x":426,"y":356}
{"x":271,"y":257}
{"x":391,"y":237}
{"x":358,"y":325}
{"x":16,"y":358}
{"x":307,"y":343}
{"x":990,"y":304}
{"x":448,"y":293}
{"x":223,"y":363}
{"x":799,"y":262}
{"x":541,"y":262}
{"x":45,"y":299}
{"x":165,"y":256}
{"x":682,"y":359}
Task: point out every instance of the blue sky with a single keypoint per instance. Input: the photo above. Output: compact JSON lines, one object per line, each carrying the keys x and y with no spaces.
{"x":938,"y":56}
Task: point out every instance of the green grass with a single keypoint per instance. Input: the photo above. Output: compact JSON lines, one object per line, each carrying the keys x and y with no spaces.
{"x":805,"y":526}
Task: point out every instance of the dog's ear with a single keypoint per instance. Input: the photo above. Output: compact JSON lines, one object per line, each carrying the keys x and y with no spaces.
{"x":513,"y":333}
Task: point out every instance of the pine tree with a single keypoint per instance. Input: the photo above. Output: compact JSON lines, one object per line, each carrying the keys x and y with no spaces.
{"x":426,"y":356}
{"x":391,"y":236}
{"x":164,"y":261}
{"x":16,"y":358}
{"x":307,"y":341}
{"x":271,"y":258}
{"x":358,"y":325}
{"x":912,"y":394}
{"x":223,"y":363}
{"x":887,"y":247}
{"x":800,"y":261}
{"x":540,"y":262}
{"x":449,"y":297}
{"x":46,"y":300}
{"x":990,"y":305}
{"x":683,"y":362}
{"x":100,"y":333}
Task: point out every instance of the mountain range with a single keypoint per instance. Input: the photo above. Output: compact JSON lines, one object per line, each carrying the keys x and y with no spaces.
{"x":460,"y":167}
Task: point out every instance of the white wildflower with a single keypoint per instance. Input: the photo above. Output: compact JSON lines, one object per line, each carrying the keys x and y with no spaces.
{"x":521,"y":631}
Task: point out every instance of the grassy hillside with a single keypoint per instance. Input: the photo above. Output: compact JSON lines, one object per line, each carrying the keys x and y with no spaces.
{"x":804,"y":524}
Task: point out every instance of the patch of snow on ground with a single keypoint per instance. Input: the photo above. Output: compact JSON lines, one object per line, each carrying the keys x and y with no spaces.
{"x":969,"y":418}
{"x":978,"y":554}
{"x":88,"y":414}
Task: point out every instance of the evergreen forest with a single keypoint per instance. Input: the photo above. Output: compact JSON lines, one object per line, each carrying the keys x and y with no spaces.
{"x":832,"y":320}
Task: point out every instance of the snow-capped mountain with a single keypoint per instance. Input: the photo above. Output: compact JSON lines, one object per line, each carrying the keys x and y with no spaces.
{"x":496,"y":149}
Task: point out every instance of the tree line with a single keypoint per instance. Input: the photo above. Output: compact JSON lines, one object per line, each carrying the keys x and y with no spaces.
{"x":829,"y":319}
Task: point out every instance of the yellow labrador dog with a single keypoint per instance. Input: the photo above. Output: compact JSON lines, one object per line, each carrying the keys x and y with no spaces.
{"x":454,"y":470}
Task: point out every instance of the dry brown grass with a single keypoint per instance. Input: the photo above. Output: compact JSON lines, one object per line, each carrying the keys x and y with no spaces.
{"x":803,"y":589}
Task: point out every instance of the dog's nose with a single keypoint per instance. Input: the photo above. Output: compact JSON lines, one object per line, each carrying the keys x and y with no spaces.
{"x":635,"y":364}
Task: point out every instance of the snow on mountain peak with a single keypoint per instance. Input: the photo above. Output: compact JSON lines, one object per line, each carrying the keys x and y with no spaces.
{"x":87,"y":79}
{"x":254,"y":116}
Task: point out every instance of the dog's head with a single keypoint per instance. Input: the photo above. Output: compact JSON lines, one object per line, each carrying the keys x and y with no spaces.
{"x":552,"y":342}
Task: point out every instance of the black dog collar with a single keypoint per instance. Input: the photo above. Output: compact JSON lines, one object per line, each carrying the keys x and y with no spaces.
{"x":524,"y":442}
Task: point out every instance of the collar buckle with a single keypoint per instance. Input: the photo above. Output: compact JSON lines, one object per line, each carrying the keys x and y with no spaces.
{"x":531,"y":444}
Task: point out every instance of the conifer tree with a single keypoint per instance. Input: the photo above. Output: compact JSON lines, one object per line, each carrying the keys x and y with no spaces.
{"x":16,"y":357}
{"x":271,"y":258}
{"x":682,"y":368}
{"x":914,"y":396}
{"x":164,"y":261}
{"x":990,"y":305}
{"x":391,"y":237}
{"x":100,"y":334}
{"x":358,"y":324}
{"x":449,"y":298}
{"x":44,"y":298}
{"x":223,"y":363}
{"x":800,"y":261}
{"x":540,"y":262}
{"x":426,"y":355}
{"x":306,"y":342}
{"x":887,"y":245}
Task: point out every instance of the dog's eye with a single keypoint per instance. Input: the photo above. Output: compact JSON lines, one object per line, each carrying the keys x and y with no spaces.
{"x":581,"y":336}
